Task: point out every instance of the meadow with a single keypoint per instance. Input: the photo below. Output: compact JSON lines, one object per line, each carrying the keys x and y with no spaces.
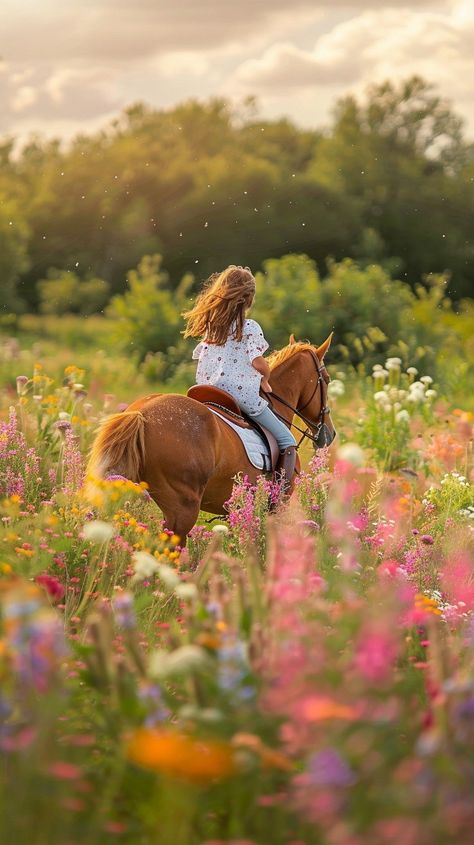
{"x":297,"y":678}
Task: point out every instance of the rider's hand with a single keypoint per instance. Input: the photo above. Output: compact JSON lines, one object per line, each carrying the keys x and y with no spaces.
{"x":266,"y":387}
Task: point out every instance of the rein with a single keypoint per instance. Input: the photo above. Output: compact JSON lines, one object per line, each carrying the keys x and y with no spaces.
{"x":313,"y":429}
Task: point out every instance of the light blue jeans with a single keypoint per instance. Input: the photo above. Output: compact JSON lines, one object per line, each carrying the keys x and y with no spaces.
{"x":282,"y":434}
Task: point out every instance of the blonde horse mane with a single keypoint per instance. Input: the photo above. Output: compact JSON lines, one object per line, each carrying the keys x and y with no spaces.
{"x":280,"y":355}
{"x":119,"y":446}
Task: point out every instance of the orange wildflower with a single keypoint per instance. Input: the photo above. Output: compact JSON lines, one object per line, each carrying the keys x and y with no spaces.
{"x":427,"y":604}
{"x":320,"y":708}
{"x":268,"y":756}
{"x":25,"y":552}
{"x":181,"y":756}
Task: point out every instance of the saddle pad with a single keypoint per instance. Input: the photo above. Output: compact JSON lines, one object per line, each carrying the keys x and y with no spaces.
{"x":257,"y":450}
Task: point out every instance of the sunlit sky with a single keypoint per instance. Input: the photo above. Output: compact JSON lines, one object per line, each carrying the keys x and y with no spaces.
{"x":71,"y":65}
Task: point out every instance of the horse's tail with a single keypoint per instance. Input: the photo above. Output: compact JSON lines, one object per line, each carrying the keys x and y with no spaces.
{"x":119,"y":447}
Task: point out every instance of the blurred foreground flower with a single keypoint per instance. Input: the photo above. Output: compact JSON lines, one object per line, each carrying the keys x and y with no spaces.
{"x":98,"y":531}
{"x":178,"y":755}
{"x":181,"y":661}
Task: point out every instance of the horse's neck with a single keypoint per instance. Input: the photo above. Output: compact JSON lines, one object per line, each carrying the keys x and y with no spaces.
{"x":288,"y":381}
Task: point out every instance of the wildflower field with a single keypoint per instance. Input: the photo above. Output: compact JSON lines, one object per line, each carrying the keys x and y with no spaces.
{"x":304,"y":677}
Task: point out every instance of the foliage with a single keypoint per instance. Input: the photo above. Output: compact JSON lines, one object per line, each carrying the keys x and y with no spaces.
{"x":63,"y":292}
{"x":13,"y":253}
{"x":147,"y":316}
{"x":299,"y":676}
{"x":205,"y":184}
{"x":384,"y":424}
{"x":370,"y":314}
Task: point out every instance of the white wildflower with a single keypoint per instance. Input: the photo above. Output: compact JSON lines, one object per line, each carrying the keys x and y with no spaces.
{"x":145,"y":565}
{"x":210,"y":715}
{"x":220,"y":529}
{"x":352,"y":453}
{"x":182,"y":661}
{"x":412,"y":371}
{"x":403,"y":416}
{"x":187,"y":592}
{"x":426,"y":380}
{"x":336,"y":388}
{"x":431,"y":394}
{"x":168,"y":575}
{"x":98,"y":531}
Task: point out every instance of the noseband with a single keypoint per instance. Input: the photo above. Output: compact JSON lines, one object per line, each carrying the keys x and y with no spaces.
{"x":313,"y":429}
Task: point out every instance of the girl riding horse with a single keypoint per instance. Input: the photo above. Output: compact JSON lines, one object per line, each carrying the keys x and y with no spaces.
{"x":187,"y":455}
{"x":230,"y":354}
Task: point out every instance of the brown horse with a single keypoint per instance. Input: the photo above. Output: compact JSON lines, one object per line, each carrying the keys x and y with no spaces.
{"x":187,"y":456}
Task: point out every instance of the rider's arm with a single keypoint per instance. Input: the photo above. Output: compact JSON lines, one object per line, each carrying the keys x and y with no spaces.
{"x":261,"y":365}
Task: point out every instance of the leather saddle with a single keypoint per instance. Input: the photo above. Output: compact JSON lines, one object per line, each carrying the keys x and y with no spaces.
{"x":225,"y":406}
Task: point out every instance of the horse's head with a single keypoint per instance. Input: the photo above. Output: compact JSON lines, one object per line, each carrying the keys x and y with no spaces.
{"x":313,"y":403}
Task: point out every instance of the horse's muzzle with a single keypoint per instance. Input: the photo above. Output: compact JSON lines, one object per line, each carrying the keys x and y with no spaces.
{"x":325,"y":436}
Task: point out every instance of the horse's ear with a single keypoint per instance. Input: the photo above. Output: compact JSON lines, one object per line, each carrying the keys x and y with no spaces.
{"x":291,"y":340}
{"x":321,"y":350}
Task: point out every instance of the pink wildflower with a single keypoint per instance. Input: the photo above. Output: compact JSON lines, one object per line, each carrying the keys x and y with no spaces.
{"x":64,"y":771}
{"x":53,"y":587}
{"x":375,"y":654}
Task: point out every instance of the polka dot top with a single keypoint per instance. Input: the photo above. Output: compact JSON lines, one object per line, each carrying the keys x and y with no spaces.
{"x":230,"y":366}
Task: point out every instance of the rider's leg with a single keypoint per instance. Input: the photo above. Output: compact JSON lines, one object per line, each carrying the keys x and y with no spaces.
{"x":282,"y":434}
{"x":287,"y":458}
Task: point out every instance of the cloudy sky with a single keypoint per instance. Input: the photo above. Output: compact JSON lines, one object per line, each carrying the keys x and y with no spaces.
{"x":70,"y":66}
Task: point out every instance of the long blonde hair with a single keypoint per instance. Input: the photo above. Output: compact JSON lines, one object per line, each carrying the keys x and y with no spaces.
{"x":223,"y":302}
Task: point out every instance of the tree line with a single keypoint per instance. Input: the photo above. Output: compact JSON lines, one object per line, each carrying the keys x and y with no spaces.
{"x":389,"y":182}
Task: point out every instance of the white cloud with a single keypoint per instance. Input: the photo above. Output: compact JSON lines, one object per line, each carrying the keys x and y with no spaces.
{"x":78,"y":63}
{"x":24,"y":97}
{"x":374,"y":45}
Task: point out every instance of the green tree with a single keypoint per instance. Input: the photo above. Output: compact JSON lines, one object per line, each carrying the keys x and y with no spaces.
{"x":63,"y":292}
{"x":400,"y":153}
{"x":363,"y":306}
{"x":287,"y":300}
{"x":13,"y":254}
{"x":147,"y":317}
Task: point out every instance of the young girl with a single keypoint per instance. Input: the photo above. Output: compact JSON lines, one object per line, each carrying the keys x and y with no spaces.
{"x":230,"y":355}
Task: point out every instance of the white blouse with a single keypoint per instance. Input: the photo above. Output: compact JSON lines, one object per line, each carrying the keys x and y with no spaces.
{"x":230,"y":366}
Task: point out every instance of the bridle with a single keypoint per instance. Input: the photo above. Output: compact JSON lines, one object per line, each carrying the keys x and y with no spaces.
{"x":313,"y":429}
